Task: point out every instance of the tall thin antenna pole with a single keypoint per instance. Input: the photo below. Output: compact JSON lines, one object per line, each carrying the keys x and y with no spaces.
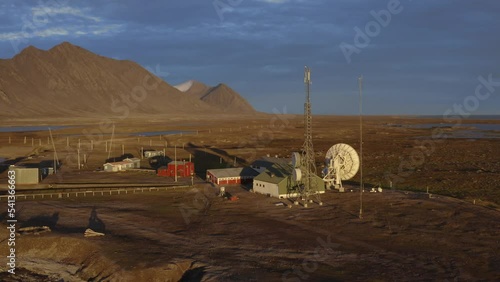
{"x":56,"y":160}
{"x":175,"y":162}
{"x":111,"y":142}
{"x":361,"y":185}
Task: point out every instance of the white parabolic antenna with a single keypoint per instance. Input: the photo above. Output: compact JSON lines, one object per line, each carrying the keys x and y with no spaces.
{"x":342,"y":163}
{"x":297,"y":174}
{"x":296,"y":159}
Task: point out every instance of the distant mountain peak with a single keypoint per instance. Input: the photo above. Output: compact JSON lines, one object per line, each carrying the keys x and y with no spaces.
{"x":66,"y":47}
{"x":30,"y":50}
{"x":185,"y":86}
{"x":222,"y":97}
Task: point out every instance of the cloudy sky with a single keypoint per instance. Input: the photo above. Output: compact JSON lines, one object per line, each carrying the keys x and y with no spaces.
{"x":416,"y":57}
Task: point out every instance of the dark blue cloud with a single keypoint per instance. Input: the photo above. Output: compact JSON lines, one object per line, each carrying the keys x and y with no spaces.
{"x":424,"y":61}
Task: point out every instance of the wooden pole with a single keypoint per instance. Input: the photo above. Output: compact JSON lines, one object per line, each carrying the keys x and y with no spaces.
{"x":24,"y":139}
{"x":175,"y":162}
{"x":10,"y":140}
{"x":56,"y":159}
{"x":79,"y":144}
{"x":78,"y":150}
{"x":123,"y":149}
{"x":111,"y":142}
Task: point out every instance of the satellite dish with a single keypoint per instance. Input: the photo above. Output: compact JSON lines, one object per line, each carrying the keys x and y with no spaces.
{"x":297,"y":175}
{"x":296,"y":159}
{"x":342,"y":163}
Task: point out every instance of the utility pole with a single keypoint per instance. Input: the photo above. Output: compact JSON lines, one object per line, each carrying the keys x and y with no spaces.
{"x":111,"y":142}
{"x":175,"y":162}
{"x":361,"y":185}
{"x":56,"y":159}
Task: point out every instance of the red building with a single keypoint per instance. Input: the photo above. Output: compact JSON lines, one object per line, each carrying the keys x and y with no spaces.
{"x":236,"y":175}
{"x":184,"y":169}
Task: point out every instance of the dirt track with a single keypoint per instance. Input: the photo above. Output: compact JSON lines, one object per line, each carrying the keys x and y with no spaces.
{"x":403,"y":236}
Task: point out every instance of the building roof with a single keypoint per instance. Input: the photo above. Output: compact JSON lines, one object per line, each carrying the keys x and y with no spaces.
{"x":12,"y":167}
{"x":268,"y":162}
{"x":283,"y":172}
{"x":132,"y":159}
{"x":178,"y":162}
{"x":233,"y":172}
{"x":276,"y":173}
{"x":118,"y":163}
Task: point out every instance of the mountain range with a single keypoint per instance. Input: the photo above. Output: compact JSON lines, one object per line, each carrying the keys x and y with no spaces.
{"x":220,"y":96}
{"x":68,"y":81}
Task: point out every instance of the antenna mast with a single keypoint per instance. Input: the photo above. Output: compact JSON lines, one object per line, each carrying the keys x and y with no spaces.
{"x":361,"y":184}
{"x":56,"y":159}
{"x":308,"y":163}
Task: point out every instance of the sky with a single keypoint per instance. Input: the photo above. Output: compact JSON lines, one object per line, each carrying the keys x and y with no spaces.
{"x":416,"y":57}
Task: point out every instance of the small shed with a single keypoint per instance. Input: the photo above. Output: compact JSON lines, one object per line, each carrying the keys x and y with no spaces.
{"x":184,"y":169}
{"x":135,"y":161}
{"x":152,"y":154}
{"x":118,"y":166}
{"x":26,"y":175}
{"x":111,"y":167}
{"x":236,"y":175}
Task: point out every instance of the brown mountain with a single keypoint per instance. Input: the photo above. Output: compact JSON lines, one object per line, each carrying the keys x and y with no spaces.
{"x":194,"y":88}
{"x":68,"y":80}
{"x":222,"y":97}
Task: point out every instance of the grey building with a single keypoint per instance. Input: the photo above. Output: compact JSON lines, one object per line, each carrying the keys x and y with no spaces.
{"x":25,"y":175}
